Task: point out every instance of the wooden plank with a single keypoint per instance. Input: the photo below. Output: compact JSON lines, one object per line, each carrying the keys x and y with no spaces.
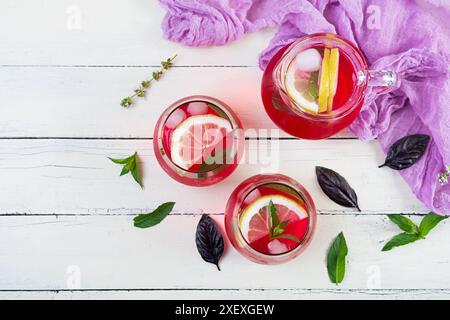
{"x":86,"y":33}
{"x":234,"y":294}
{"x":75,"y":177}
{"x":95,"y":252}
{"x":85,"y":102}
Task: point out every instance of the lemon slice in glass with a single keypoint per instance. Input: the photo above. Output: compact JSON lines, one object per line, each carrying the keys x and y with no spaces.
{"x":254,"y":220}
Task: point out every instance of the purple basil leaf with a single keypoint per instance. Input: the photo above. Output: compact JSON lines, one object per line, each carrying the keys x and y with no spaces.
{"x":209,"y":240}
{"x":406,"y":152}
{"x":337,"y":188}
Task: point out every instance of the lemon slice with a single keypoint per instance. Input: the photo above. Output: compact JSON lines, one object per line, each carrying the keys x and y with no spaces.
{"x":324,"y":89}
{"x":334,"y":71}
{"x":194,"y":135}
{"x":253,"y":222}
{"x":298,"y":89}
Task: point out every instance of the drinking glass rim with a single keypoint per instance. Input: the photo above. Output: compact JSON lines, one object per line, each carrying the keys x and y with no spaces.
{"x":264,"y":179}
{"x":159,"y":128}
{"x":355,"y":57}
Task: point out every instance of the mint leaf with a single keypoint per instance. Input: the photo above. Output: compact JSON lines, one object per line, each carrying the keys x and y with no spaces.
{"x":130,"y":164}
{"x":214,"y":161}
{"x":312,"y":84}
{"x":401,"y":240}
{"x":273,"y":218}
{"x":135,"y":171}
{"x":153,"y":218}
{"x":430,"y":221}
{"x":287,"y":236}
{"x":121,"y":161}
{"x":276,"y":232}
{"x":336,"y":259}
{"x":279,"y":229}
{"x":219,"y":111}
{"x":136,"y":175}
{"x":277,"y":104}
{"x":276,"y":227}
{"x":286,"y":189}
{"x":283,"y":224}
{"x":404,"y":223}
{"x":124,"y":171}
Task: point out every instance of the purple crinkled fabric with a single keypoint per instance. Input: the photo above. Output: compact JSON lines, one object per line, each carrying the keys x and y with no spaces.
{"x":411,"y":37}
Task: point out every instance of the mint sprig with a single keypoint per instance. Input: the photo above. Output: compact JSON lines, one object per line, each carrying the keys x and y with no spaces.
{"x":130,"y":165}
{"x":277,"y":228}
{"x":141,"y":91}
{"x":412,"y":232}
{"x":153,"y":218}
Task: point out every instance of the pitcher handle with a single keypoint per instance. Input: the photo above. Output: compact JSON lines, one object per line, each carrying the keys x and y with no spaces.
{"x":383,"y":81}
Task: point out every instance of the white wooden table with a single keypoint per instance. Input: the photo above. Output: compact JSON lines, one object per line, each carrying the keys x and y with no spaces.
{"x":66,"y":216}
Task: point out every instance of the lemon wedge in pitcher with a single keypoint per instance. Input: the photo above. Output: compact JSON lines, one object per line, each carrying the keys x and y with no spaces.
{"x":334,"y":71}
{"x":301,"y":80}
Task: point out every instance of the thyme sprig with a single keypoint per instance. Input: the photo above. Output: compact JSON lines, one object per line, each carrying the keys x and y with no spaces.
{"x":141,"y":91}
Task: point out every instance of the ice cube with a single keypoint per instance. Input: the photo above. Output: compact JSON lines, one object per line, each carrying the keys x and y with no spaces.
{"x":309,"y":60}
{"x":175,"y":118}
{"x":197,"y":108}
{"x":277,"y":247}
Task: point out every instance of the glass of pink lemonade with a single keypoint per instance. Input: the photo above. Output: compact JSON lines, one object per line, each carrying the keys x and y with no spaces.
{"x":198,"y":141}
{"x":315,"y":87}
{"x":270,"y":219}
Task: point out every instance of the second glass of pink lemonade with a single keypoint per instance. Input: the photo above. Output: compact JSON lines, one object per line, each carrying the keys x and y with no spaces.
{"x":270,"y":219}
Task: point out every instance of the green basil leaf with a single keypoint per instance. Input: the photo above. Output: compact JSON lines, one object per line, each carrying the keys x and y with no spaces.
{"x":404,"y":223}
{"x":401,"y":240}
{"x":430,"y":221}
{"x":336,"y":259}
{"x":155,"y":217}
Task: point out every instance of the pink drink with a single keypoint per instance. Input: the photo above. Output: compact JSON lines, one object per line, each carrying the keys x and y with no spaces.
{"x":249,"y":221}
{"x":197,"y":141}
{"x":315,"y":87}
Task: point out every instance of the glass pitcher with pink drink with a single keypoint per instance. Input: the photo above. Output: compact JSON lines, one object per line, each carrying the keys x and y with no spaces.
{"x":315,"y":87}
